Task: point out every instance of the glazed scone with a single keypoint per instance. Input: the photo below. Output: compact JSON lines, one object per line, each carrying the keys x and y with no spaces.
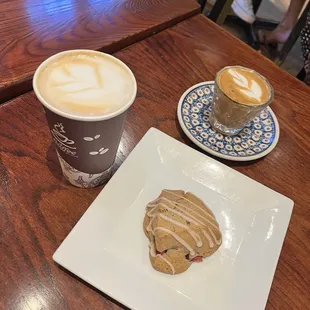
{"x":181,"y":230}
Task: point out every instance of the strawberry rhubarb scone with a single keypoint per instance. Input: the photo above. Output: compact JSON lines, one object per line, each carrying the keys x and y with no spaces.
{"x":181,"y":230}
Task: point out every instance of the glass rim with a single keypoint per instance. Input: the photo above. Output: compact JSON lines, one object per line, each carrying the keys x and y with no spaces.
{"x":267,"y":102}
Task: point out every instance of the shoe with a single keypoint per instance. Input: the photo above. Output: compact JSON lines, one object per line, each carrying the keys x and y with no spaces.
{"x":244,"y":10}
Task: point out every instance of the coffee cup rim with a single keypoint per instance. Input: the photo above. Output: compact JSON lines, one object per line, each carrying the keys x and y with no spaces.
{"x":81,"y":117}
{"x":266,"y":103}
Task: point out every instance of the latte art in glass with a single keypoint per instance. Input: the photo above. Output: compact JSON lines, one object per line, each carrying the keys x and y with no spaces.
{"x":244,"y":86}
{"x":85,"y":84}
{"x":239,"y":95}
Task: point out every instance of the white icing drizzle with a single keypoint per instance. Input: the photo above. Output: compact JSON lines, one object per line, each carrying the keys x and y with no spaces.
{"x":218,"y":242}
{"x":187,"y":208}
{"x":176,"y":237}
{"x":188,"y":218}
{"x":194,"y":235}
{"x":153,"y":254}
{"x":187,"y":214}
{"x":210,"y":214}
{"x":211,"y":244}
{"x":149,"y":227}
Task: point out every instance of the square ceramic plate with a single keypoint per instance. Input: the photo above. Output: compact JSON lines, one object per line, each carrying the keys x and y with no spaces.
{"x":108,"y":249}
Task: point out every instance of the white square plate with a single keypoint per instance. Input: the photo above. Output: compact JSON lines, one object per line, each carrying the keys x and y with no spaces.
{"x":108,"y":249}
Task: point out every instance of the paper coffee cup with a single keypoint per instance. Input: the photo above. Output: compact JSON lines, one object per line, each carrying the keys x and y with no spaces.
{"x":86,"y":145}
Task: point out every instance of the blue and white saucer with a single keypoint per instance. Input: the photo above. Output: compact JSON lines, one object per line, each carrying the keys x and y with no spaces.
{"x":257,"y":139}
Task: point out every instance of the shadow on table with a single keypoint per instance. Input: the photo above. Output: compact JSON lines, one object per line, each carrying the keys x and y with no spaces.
{"x":93,"y":288}
{"x":54,"y":166}
{"x":226,"y":162}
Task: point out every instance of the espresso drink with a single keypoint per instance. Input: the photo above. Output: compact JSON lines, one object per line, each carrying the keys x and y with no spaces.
{"x":244,"y":86}
{"x":239,"y":95}
{"x":86,"y":84}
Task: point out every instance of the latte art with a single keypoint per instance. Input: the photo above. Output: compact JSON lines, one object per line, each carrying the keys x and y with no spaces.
{"x":86,"y":84}
{"x":244,"y":86}
{"x":248,"y":87}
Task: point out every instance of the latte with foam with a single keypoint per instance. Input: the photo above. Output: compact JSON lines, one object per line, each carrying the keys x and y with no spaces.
{"x":244,"y":86}
{"x":86,"y":84}
{"x":239,"y":95}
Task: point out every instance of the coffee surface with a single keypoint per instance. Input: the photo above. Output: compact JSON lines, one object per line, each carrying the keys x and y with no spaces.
{"x":244,"y":86}
{"x":86,"y":84}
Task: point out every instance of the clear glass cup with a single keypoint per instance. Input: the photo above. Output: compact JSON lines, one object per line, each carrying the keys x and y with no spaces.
{"x":229,"y":117}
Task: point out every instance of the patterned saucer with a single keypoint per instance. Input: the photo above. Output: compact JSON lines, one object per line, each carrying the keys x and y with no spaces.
{"x":257,"y":139}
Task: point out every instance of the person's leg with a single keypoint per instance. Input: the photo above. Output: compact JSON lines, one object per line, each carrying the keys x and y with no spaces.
{"x":283,"y":30}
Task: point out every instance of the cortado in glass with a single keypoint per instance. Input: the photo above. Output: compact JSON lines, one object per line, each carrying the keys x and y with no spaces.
{"x":239,"y":95}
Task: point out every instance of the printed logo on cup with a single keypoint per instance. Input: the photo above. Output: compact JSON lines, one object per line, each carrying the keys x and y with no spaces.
{"x":89,"y":147}
{"x":64,"y":143}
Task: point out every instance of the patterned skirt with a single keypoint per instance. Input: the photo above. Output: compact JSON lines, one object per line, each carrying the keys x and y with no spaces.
{"x":305,"y":44}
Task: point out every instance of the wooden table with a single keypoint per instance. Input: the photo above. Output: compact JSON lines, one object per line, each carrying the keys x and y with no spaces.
{"x":32,"y":30}
{"x":38,"y":208}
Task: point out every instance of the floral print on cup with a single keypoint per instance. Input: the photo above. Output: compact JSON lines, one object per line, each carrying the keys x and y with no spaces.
{"x":82,"y":179}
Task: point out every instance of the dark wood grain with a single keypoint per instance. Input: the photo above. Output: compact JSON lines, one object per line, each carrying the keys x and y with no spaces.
{"x":38,"y":208}
{"x":32,"y":30}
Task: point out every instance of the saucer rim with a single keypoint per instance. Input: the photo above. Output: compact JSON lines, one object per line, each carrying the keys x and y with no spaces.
{"x":218,"y":154}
